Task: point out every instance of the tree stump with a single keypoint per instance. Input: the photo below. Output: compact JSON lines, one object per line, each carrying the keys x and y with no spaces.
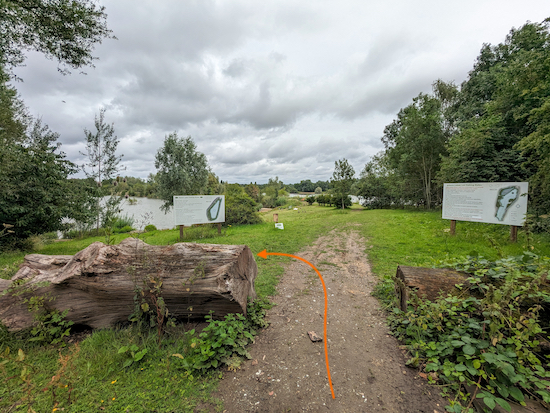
{"x":101,"y":285}
{"x":426,"y":283}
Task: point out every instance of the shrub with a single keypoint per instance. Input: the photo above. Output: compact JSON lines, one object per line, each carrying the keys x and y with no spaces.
{"x":150,"y":228}
{"x":310,"y":199}
{"x":123,"y":221}
{"x":123,"y":230}
{"x":338,"y":202}
{"x":224,"y":341}
{"x":488,"y":338}
{"x":239,"y":207}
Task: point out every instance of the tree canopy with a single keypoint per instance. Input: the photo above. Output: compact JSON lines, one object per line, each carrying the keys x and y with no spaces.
{"x":182,"y":170}
{"x":493,"y":128}
{"x":342,"y":180}
{"x":63,"y":30}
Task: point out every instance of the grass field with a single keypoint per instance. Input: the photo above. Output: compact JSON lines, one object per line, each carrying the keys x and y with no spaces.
{"x":90,"y":377}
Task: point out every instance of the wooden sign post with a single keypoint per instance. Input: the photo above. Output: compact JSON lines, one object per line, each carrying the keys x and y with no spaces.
{"x":513,"y":233}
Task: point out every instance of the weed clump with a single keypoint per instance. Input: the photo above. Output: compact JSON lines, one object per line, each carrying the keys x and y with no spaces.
{"x":488,"y":336}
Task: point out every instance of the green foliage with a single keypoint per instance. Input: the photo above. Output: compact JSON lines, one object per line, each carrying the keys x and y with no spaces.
{"x":150,"y":310}
{"x":61,"y":30}
{"x":342,"y":180}
{"x":35,"y":194}
{"x":96,"y":375}
{"x":49,"y":326}
{"x":502,"y":116}
{"x":326,"y":200}
{"x":123,"y":224}
{"x":253,"y":192}
{"x":379,"y":185}
{"x":103,"y":163}
{"x":310,"y":200}
{"x":214,"y":187}
{"x":488,"y":336}
{"x":222,"y":342}
{"x":256,"y":311}
{"x":338,"y":202}
{"x":182,"y":170}
{"x":414,"y":144}
{"x":150,"y":228}
{"x":239,"y":207}
{"x":133,"y":354}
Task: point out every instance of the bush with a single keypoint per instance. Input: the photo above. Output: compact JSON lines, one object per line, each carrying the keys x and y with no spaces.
{"x":310,"y":199}
{"x":488,"y":337}
{"x":338,"y":202}
{"x":150,"y":228}
{"x":123,"y":230}
{"x":224,"y":341}
{"x":123,"y":221}
{"x":269,"y":202}
{"x":281,"y":201}
{"x":293,"y":202}
{"x":239,"y":207}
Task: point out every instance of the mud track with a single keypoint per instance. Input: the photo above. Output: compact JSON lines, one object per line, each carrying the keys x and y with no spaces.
{"x":288,"y":373}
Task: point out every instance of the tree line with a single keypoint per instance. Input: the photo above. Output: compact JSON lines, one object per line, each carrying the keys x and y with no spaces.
{"x":494,"y":127}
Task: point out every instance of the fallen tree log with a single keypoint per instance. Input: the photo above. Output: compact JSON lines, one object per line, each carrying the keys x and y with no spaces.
{"x":426,"y":283}
{"x":101,"y":285}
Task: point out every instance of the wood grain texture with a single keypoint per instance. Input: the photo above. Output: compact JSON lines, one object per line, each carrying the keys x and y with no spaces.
{"x":98,"y":284}
{"x":427,"y":283}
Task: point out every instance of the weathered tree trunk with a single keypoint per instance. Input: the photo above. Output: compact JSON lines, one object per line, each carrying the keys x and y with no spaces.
{"x":425,"y":282}
{"x":100,"y":285}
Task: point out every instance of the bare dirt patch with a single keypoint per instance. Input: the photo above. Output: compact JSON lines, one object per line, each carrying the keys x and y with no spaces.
{"x":288,"y":373}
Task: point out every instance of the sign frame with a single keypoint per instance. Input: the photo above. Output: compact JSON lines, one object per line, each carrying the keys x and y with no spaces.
{"x":502,"y":203}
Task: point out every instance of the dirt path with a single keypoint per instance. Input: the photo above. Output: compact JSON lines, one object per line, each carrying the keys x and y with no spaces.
{"x":287,"y":372}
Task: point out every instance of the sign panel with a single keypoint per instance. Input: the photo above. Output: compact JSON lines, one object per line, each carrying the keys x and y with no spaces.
{"x":199,"y":209}
{"x":491,"y":202}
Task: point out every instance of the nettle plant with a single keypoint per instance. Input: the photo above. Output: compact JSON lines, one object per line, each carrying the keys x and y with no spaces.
{"x":50,"y":326}
{"x":488,"y":337}
{"x":224,"y":342}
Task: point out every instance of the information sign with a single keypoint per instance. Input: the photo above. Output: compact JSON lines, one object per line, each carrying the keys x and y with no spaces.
{"x":491,"y":202}
{"x":199,"y":209}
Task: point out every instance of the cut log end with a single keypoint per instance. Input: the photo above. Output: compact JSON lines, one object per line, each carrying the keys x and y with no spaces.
{"x":427,"y":283}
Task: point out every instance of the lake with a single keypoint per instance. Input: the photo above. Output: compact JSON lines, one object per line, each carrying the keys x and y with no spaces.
{"x":148,"y":206}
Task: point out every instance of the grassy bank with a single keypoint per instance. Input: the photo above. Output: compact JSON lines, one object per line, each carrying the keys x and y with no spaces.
{"x":91,"y":376}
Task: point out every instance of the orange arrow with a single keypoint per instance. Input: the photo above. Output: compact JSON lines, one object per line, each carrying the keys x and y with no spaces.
{"x":264,"y":255}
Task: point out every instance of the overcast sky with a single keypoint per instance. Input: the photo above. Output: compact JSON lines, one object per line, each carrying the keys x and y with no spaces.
{"x":265,"y":88}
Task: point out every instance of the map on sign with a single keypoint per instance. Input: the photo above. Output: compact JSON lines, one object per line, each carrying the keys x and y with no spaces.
{"x":199,"y":209}
{"x":492,"y":202}
{"x":506,"y":197}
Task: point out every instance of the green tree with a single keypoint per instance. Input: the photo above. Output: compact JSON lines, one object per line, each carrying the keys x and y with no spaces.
{"x":379,"y":185}
{"x":240,"y":208}
{"x":253,"y":191}
{"x":502,"y":116}
{"x":291,"y":189}
{"x":214,"y":187}
{"x":318,"y":190}
{"x":414,"y":143}
{"x":103,"y":164}
{"x":35,"y":194}
{"x":63,"y":30}
{"x":182,"y":170}
{"x":342,"y":180}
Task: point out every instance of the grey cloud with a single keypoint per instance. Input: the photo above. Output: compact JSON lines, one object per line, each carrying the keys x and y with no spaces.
{"x":265,"y":88}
